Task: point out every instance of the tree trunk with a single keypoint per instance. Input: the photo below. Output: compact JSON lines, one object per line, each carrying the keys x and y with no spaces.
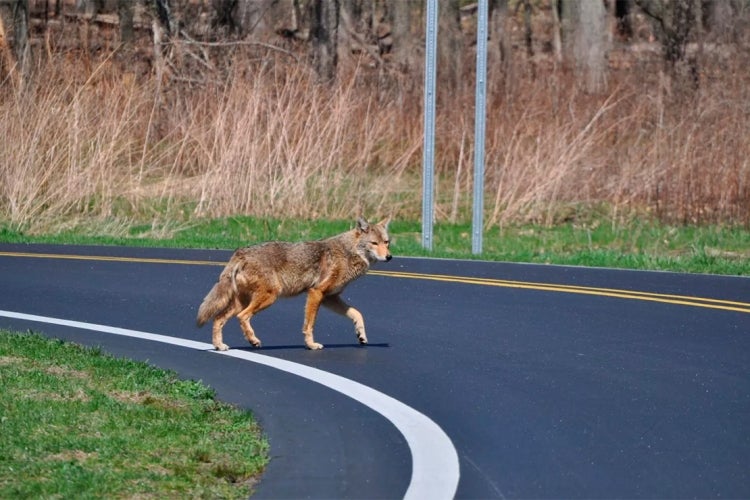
{"x":592,"y":41}
{"x":7,"y":61}
{"x":674,"y":22}
{"x":403,"y":42}
{"x":324,"y":35}
{"x":721,"y":22}
{"x":450,"y":44}
{"x":264,"y":18}
{"x":20,"y":48}
{"x":166,"y":17}
{"x":499,"y":49}
{"x":557,"y":47}
{"x":89,"y":8}
{"x":586,"y":40}
{"x":624,"y":23}
{"x":125,"y":13}
{"x":570,"y":15}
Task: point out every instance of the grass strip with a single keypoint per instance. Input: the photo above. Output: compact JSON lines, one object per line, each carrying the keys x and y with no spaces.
{"x":78,"y":423}
{"x":592,"y":241}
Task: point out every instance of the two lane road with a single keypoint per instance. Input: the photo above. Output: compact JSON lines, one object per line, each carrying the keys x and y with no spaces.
{"x":547,"y":381}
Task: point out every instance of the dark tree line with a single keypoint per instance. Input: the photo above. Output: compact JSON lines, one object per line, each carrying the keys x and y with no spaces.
{"x":391,"y":32}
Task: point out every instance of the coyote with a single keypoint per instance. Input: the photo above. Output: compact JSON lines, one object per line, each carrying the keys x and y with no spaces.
{"x":257,"y":275}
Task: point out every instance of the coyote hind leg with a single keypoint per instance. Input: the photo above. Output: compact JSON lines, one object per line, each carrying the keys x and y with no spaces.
{"x":260,"y":301}
{"x":336,"y":304}
{"x":219,"y":322}
{"x":249,"y":333}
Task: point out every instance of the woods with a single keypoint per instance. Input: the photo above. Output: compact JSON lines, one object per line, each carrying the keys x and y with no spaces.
{"x":313,"y":108}
{"x":586,"y":38}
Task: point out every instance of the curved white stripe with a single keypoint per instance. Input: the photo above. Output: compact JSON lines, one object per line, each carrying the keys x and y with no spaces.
{"x":435,"y":469}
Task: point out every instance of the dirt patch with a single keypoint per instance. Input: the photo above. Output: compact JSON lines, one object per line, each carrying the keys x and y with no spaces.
{"x":64,"y":371}
{"x":71,"y":456}
{"x":10,"y":360}
{"x":77,"y":395}
{"x":147,"y":399}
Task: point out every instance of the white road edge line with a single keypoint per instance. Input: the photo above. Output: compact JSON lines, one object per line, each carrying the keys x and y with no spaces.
{"x":435,"y":468}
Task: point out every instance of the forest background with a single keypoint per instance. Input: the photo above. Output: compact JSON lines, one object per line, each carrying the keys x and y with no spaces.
{"x":172,"y":110}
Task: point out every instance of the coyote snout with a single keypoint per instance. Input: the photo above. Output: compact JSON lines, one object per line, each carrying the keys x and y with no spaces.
{"x":257,"y":275}
{"x":380,"y":250}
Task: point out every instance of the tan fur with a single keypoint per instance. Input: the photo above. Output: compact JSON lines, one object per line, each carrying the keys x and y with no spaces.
{"x":257,"y":275}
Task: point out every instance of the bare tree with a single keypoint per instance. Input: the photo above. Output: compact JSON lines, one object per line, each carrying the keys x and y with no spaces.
{"x":263,"y":18}
{"x":14,"y":38}
{"x":250,"y":16}
{"x":528,"y":31}
{"x":722,"y":20}
{"x":400,"y":16}
{"x":674,"y":20}
{"x":592,"y":42}
{"x":500,"y":47}
{"x":450,"y":43}
{"x":125,"y":14}
{"x":165,"y":16}
{"x":557,"y":46}
{"x":623,"y":23}
{"x":324,"y":36}
{"x":89,"y":8}
{"x":7,"y":61}
{"x":21,"y":29}
{"x":586,"y":40}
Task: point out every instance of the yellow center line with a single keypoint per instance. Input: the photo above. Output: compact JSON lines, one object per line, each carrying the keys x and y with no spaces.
{"x":107,"y":258}
{"x":557,"y":287}
{"x":685,"y":300}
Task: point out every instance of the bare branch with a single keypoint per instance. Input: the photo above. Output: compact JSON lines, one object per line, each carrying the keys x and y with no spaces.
{"x":239,"y":43}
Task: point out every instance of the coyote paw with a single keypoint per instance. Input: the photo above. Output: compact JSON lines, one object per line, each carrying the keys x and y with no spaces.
{"x":314,"y":346}
{"x":255,"y":343}
{"x":362,"y":339}
{"x":221,"y":347}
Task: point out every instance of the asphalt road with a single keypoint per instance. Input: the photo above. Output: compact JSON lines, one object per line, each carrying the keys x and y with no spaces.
{"x":548,"y":381}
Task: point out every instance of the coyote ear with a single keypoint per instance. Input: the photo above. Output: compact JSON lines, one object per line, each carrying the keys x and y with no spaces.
{"x":363,"y":225}
{"x":384,"y":223}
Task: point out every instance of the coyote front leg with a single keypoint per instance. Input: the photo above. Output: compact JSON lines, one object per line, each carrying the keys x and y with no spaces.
{"x":336,"y":304}
{"x":314,"y":298}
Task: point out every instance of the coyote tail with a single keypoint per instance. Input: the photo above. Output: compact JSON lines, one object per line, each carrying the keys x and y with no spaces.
{"x":216,"y":300}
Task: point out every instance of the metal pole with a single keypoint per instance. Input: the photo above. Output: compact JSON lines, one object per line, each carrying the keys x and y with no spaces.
{"x":477,"y":221}
{"x":428,"y":162}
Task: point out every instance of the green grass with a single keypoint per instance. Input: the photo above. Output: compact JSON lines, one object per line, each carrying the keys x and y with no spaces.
{"x":77,"y":423}
{"x":592,"y":240}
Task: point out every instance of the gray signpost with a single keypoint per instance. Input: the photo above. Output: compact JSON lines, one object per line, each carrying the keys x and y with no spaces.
{"x":428,"y":162}
{"x":480,"y":116}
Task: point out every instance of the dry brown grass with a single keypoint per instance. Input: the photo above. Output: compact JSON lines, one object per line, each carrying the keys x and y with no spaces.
{"x":271,"y":142}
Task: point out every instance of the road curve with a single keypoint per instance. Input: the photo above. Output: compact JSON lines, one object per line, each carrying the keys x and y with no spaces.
{"x":549,"y":381}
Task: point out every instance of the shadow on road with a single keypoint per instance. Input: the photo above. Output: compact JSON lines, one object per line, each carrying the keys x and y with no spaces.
{"x":302,"y":347}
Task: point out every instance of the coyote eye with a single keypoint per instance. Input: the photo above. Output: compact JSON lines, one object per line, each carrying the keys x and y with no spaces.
{"x":387,"y":243}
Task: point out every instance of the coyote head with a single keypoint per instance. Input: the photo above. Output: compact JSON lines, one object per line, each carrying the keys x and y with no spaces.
{"x":375,"y":240}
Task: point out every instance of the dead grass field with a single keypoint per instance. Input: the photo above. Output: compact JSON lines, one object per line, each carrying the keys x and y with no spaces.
{"x":269,"y":141}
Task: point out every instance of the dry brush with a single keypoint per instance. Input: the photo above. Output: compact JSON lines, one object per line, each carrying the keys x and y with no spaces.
{"x":271,"y":141}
